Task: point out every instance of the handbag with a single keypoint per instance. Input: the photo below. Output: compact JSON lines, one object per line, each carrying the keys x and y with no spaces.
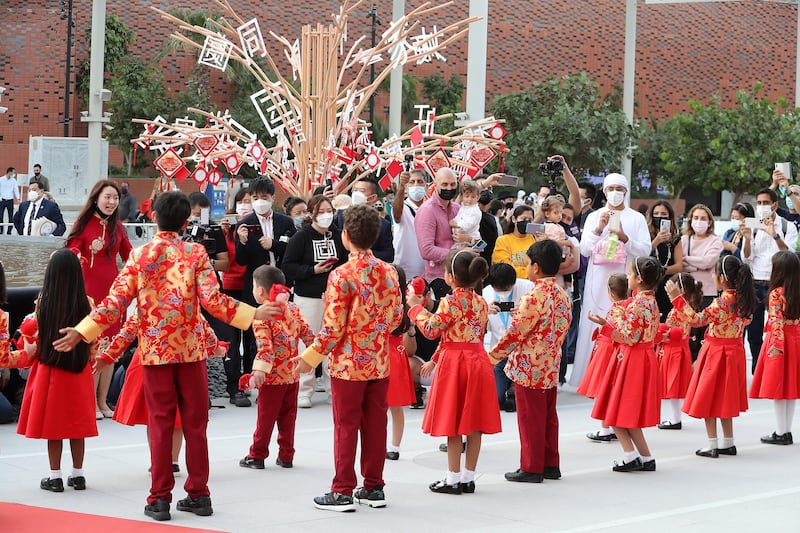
{"x":609,"y":251}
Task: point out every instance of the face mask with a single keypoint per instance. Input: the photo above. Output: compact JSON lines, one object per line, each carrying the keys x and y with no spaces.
{"x":262,"y":207}
{"x":763,"y":211}
{"x":298,"y":222}
{"x":447,"y":194}
{"x":324,"y":220}
{"x":522,"y":226}
{"x":416,"y":193}
{"x":503,"y":295}
{"x":244,"y":209}
{"x":123,"y":189}
{"x":789,"y":204}
{"x":700,"y":226}
{"x":33,"y":196}
{"x":586,"y":201}
{"x":359,"y":198}
{"x":615,"y":198}
{"x":36,"y":173}
{"x":736,"y":224}
{"x":783,"y":190}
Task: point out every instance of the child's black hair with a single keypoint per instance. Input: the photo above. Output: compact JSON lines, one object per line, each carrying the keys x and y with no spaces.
{"x":405,"y":324}
{"x":266,"y":276}
{"x":546,"y":254}
{"x":692,"y":289}
{"x":172,"y":210}
{"x":737,"y":275}
{"x":786,"y":274}
{"x":467,"y":268}
{"x":649,"y":269}
{"x":618,"y":285}
{"x":502,"y":276}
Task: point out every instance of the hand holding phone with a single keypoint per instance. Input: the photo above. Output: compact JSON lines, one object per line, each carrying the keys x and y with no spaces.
{"x":613,"y":221}
{"x":505,"y":306}
{"x":666,"y":226}
{"x":508,"y":181}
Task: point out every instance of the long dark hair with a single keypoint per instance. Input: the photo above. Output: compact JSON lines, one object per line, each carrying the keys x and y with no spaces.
{"x":406,"y":323}
{"x":786,"y":274}
{"x":738,"y":276}
{"x":62,"y":303}
{"x":90,"y":209}
{"x":467,"y":268}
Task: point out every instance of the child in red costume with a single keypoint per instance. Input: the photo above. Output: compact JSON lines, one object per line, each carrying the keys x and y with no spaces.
{"x":532,"y":344}
{"x":59,"y":399}
{"x":777,"y":374}
{"x":362,"y":306}
{"x":275,"y":370}
{"x":718,"y":388}
{"x":463,"y":398}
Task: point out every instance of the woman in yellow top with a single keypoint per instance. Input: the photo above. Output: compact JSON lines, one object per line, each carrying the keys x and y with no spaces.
{"x":511,"y":248}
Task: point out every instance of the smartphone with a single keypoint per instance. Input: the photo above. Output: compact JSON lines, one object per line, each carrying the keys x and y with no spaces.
{"x":328,"y":182}
{"x":508,"y":180}
{"x":786,"y":169}
{"x":534,"y":227}
{"x":753,"y":223}
{"x":613,"y":221}
{"x":666,"y":226}
{"x":232,"y":219}
{"x":480,"y":245}
{"x":253,"y":228}
{"x":505,"y":306}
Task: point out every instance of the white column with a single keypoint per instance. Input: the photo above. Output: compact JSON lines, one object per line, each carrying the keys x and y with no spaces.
{"x":396,"y":80}
{"x":629,"y":84}
{"x":95,"y":117}
{"x":476,"y":60}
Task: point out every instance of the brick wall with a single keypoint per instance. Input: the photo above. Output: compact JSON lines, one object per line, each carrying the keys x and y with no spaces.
{"x":685,"y":51}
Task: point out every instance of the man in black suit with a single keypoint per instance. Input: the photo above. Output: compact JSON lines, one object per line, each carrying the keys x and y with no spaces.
{"x":37,"y":206}
{"x":260,"y":240}
{"x":365,"y":191}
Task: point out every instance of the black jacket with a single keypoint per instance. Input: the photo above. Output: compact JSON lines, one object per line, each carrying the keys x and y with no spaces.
{"x":252,"y":255}
{"x":302,"y":256}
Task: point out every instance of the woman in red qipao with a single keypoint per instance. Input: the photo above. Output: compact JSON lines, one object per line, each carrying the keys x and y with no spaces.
{"x":777,"y":374}
{"x":98,"y":238}
{"x":628,"y":399}
{"x":463,"y":399}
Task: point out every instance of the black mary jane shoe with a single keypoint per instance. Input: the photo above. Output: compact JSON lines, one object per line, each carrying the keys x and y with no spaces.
{"x":713,"y":453}
{"x":524,"y":477}
{"x":730,"y":450}
{"x":781,"y":440}
{"x":53,"y":485}
{"x":630,"y":466}
{"x":393,"y":456}
{"x":468,"y":488}
{"x":597,"y":437}
{"x":649,"y":466}
{"x":442,"y":487}
{"x":666,"y":424}
{"x":77,"y":482}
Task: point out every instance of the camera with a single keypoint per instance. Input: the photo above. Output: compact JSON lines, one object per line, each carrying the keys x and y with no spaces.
{"x":203,"y":234}
{"x":553,"y":168}
{"x":409,"y":160}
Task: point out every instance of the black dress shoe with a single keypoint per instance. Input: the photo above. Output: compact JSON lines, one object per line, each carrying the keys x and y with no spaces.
{"x":730,"y":450}
{"x":552,"y":472}
{"x":649,"y":466}
{"x":713,"y":453}
{"x":200,"y":506}
{"x":524,"y":477}
{"x":442,"y":487}
{"x":53,"y":485}
{"x":77,"y":482}
{"x":284,"y":464}
{"x":443,"y":447}
{"x":666,"y":424}
{"x":249,"y":462}
{"x":468,"y":488}
{"x":240,"y":400}
{"x":782,"y":440}
{"x":158,"y":511}
{"x":393,"y":456}
{"x":597,"y":437}
{"x":630,"y":466}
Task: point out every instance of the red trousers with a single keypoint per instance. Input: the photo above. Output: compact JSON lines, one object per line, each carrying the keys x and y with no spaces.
{"x":538,"y":428}
{"x":181,"y":386}
{"x":359,"y":407}
{"x":276,"y":403}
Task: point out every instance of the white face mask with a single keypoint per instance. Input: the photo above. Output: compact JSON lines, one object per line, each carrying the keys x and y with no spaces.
{"x":615,"y":198}
{"x":359,"y":198}
{"x":503,"y":295}
{"x":33,"y":196}
{"x":736,"y":224}
{"x":763,"y":211}
{"x":262,"y":207}
{"x":244,"y":210}
{"x":416,"y":193}
{"x":700,"y":227}
{"x":324,"y":220}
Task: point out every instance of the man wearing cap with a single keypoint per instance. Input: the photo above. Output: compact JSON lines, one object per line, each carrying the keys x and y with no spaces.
{"x":630,"y":227}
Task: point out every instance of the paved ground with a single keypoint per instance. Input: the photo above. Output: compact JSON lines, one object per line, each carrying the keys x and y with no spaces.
{"x":755,"y":491}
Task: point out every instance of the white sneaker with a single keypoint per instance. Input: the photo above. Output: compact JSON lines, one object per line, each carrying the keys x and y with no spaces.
{"x":304,"y":403}
{"x":319,"y":386}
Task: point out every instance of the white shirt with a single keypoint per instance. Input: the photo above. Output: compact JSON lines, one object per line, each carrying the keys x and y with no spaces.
{"x":266,"y":229}
{"x":763,"y":247}
{"x":404,"y":239}
{"x":30,"y":216}
{"x":469,"y":221}
{"x":498,"y":323}
{"x":9,"y":188}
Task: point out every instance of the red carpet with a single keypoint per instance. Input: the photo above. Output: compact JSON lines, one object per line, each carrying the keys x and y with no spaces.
{"x":18,"y":518}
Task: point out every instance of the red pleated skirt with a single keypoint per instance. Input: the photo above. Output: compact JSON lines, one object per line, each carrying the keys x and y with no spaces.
{"x":131,"y":409}
{"x":629,"y":396}
{"x":401,"y":382}
{"x":675,"y":368}
{"x":778,"y":378}
{"x":58,"y":404}
{"x":718,"y":388}
{"x":603,"y":353}
{"x":463,"y":398}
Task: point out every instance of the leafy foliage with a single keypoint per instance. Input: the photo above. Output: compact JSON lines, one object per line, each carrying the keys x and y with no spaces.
{"x":447,"y":96}
{"x":118,"y":40}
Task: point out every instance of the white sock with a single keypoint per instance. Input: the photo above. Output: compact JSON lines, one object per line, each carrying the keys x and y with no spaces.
{"x":789,"y":414}
{"x":780,"y":416}
{"x":726,"y":442}
{"x":712,"y":445}
{"x":630,"y":456}
{"x":393,"y":448}
{"x":453,"y":478}
{"x":675,"y":404}
{"x":77,"y":472}
{"x":646,"y":458}
{"x":55,"y":474}
{"x":605,"y":432}
{"x":467,"y":476}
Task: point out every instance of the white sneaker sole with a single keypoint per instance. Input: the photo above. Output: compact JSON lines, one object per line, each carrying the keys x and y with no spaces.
{"x":375,"y":504}
{"x":337,"y":508}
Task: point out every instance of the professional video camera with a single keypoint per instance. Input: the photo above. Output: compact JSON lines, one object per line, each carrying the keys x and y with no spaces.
{"x":552,"y":168}
{"x":204,"y":234}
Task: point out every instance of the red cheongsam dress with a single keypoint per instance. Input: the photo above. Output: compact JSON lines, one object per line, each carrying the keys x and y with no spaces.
{"x":777,"y":377}
{"x":674,"y":357}
{"x":603,"y":352}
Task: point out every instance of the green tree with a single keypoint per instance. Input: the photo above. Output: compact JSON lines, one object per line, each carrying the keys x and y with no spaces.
{"x":117,"y":46}
{"x":447,"y":96}
{"x":566,"y":115}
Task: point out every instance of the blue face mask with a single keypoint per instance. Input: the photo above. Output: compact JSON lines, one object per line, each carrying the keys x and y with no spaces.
{"x":783,"y":190}
{"x":789,"y":204}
